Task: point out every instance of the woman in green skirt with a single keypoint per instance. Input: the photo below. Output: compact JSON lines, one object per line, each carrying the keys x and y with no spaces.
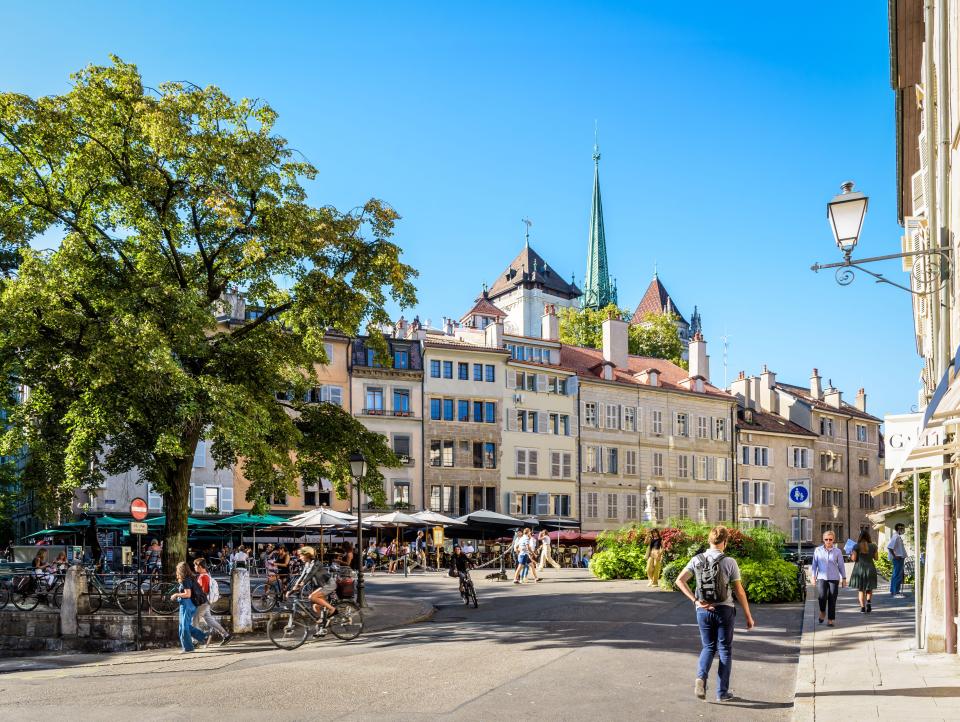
{"x":864,"y":576}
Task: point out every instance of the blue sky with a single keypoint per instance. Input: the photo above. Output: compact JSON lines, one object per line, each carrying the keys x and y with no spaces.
{"x":724,"y":129}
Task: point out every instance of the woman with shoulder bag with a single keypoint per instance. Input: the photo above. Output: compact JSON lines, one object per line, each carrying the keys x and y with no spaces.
{"x":864,"y":575}
{"x":654,"y":557}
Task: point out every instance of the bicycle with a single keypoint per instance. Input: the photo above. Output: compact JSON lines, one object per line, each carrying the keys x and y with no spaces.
{"x":290,"y":627}
{"x":467,"y":591}
{"x":267,"y":595}
{"x":28,"y":589}
{"x":96,"y":591}
{"x":801,"y":579}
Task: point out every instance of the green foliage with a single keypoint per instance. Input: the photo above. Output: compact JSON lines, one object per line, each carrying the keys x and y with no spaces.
{"x":762,"y":544}
{"x":620,"y":562}
{"x":166,"y":201}
{"x":584,"y":327}
{"x":657,"y":337}
{"x":671,"y":570}
{"x":923,"y":482}
{"x":769,"y":580}
{"x":885,"y":568}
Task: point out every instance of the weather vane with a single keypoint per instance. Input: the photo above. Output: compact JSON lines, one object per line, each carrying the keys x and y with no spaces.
{"x":527,"y":222}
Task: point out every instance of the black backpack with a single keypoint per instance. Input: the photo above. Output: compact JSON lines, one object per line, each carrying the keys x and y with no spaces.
{"x":712,"y":583}
{"x":197,"y":595}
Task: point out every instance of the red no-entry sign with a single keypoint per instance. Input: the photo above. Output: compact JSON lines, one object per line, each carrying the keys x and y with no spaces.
{"x":138,"y":509}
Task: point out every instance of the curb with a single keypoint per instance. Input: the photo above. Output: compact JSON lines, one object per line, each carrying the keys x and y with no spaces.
{"x":424,"y":614}
{"x":804,"y":701}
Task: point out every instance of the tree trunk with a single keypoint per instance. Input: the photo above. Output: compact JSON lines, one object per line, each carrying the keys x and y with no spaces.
{"x":176,"y":505}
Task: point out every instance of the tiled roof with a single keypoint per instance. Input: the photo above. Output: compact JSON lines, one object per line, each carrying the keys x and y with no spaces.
{"x":588,"y":363}
{"x":462,"y":345}
{"x":483,"y":307}
{"x":529,"y":267}
{"x":804,"y":394}
{"x":770,"y":423}
{"x":655,"y":300}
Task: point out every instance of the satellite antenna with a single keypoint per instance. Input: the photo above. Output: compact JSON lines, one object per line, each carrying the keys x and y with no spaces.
{"x":726,"y":346}
{"x":527,"y":222}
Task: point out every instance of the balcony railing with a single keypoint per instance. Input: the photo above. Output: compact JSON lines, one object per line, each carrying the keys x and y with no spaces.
{"x":387,"y":412}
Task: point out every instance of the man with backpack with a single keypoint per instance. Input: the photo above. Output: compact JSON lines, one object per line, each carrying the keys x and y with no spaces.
{"x":212,"y":592}
{"x":718,"y":581}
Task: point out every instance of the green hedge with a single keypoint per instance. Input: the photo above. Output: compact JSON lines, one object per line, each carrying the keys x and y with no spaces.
{"x":885,"y":569}
{"x":769,"y":580}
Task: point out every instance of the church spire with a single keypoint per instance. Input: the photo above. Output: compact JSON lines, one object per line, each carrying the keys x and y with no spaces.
{"x":598,"y":292}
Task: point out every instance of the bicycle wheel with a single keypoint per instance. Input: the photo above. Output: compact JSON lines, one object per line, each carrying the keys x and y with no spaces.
{"x":289,"y":629}
{"x":264,"y":598}
{"x":464,"y":595}
{"x":348,"y":623}
{"x":4,"y":594}
{"x":126,"y":596}
{"x":94,"y":599}
{"x":158,"y":598}
{"x":473,"y":595}
{"x":25,"y":596}
{"x":56,"y":595}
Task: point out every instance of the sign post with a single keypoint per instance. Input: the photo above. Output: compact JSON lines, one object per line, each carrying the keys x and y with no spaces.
{"x":138,"y":510}
{"x":799,"y":498}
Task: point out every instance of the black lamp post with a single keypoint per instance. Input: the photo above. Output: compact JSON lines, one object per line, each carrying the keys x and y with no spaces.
{"x":358,"y":470}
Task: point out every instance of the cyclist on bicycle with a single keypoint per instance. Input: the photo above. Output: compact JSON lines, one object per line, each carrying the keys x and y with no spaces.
{"x":460,"y":564}
{"x":313,"y":577}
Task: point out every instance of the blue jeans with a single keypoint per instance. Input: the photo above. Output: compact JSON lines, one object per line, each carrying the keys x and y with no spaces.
{"x":187,"y":631}
{"x":716,"y":635}
{"x":896,"y":579}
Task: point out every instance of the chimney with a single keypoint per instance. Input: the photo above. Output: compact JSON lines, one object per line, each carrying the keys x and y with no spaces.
{"x":649,"y":377}
{"x":615,"y":341}
{"x":816,"y":389}
{"x":401,"y":328}
{"x":699,"y":361}
{"x":861,"y":401}
{"x":755,"y":391}
{"x":448,"y":326}
{"x":833,"y":396}
{"x":741,"y":388}
{"x":769,"y":399}
{"x":550,"y":324}
{"x":494,"y":335}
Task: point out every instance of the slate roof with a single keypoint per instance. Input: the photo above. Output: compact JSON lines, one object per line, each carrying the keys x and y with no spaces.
{"x":655,"y":300}
{"x":804,"y":394}
{"x":529,"y":267}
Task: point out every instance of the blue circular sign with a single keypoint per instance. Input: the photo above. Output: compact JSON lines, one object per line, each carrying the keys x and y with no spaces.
{"x":799,"y":494}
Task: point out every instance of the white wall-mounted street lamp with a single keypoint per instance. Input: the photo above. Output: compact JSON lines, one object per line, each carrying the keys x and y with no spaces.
{"x":846,"y":212}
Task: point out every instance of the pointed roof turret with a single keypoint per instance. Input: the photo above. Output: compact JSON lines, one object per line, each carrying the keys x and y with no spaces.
{"x":656,"y":300}
{"x":529,"y":269}
{"x":598,"y":292}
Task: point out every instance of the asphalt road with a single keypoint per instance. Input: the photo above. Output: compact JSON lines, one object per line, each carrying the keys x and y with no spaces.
{"x":570,"y":648}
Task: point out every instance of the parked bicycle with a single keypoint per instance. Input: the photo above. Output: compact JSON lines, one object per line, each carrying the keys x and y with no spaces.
{"x":801,"y":576}
{"x":29,"y":589}
{"x":267,"y":595}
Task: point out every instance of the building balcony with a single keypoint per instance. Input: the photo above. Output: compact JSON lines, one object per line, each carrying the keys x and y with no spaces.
{"x":388,"y":412}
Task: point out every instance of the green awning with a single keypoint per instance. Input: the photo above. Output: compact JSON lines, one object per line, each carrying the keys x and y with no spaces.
{"x":101,"y":521}
{"x":247,"y":519}
{"x":47,"y":532}
{"x":160,"y":521}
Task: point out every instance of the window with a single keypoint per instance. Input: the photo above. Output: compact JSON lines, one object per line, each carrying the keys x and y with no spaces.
{"x":401,"y":446}
{"x":613,"y":416}
{"x":834,"y":527}
{"x":745,"y":457}
{"x":374,"y":398}
{"x":684,"y":507}
{"x":279,"y":498}
{"x":746,"y":491}
{"x":372,"y":358}
{"x":592,"y":460}
{"x":656,"y":468}
{"x":863,"y":466}
{"x":560,"y":465}
{"x":312,"y":496}
{"x":722,"y":510}
{"x":328,"y":351}
{"x":629,"y":418}
{"x":831,"y":497}
{"x":448,"y":409}
{"x":861,"y":432}
{"x":683,"y":468}
{"x":489,"y":455}
{"x":478,"y":372}
{"x":800,"y":457}
{"x":656,"y":423}
{"x":590,"y":413}
{"x":826,"y":426}
{"x":478,"y":411}
{"x":612,"y":458}
{"x":757,"y":523}
{"x":630,"y":462}
{"x":401,"y":401}
{"x":211,"y":498}
{"x":401,"y":360}
{"x":592,"y":500}
{"x":632,"y":508}
{"x":703,"y":513}
{"x":435,"y":447}
{"x":762,"y":493}
{"x":448,"y":453}
{"x":801,"y":529}
{"x":435,"y":409}
{"x":830,"y":461}
{"x":463,"y":410}
{"x":441,"y":498}
{"x":401,"y":493}
{"x":612,"y":506}
{"x":680,"y":425}
{"x":560,"y":504}
{"x":477,"y":454}
{"x":463,"y":371}
{"x":556,"y":385}
{"x":761,"y":455}
{"x":703,"y":427}
{"x":490,"y":412}
{"x":526,"y":462}
{"x":866,"y":500}
{"x":721,"y":431}
{"x":448,"y":369}
{"x":658,"y":506}
{"x":435,"y":369}
{"x":490,"y":374}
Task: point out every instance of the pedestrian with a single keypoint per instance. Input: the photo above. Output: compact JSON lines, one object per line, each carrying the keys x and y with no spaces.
{"x":524,"y":548}
{"x":154,"y":557}
{"x":421,"y":549}
{"x":829,"y":574}
{"x":282,"y":562}
{"x":189,"y":595}
{"x":864,"y":575}
{"x":897,"y":554}
{"x":204,"y":611}
{"x":654,"y":557}
{"x":717,"y":582}
{"x":545,"y":556}
{"x":393,"y":554}
{"x":370,"y":558}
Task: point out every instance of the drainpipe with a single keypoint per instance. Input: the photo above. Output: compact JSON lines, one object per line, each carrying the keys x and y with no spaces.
{"x":949,"y":564}
{"x":733,"y":463}
{"x":579,"y":464}
{"x":849,"y":500}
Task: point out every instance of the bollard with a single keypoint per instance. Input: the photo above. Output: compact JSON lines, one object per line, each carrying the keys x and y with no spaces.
{"x":74,"y":600}
{"x":241,"y":612}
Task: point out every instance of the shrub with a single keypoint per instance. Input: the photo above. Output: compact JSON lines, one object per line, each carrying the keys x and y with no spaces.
{"x":671,"y":570}
{"x":760,"y":544}
{"x":619,"y":562}
{"x":769,"y":580}
{"x":885,"y":569}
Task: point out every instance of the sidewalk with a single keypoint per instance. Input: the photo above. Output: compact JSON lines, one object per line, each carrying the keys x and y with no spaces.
{"x":866,"y":668}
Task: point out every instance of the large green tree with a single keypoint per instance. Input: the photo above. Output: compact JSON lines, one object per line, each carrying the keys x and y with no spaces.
{"x":656,"y":336}
{"x":166,"y":201}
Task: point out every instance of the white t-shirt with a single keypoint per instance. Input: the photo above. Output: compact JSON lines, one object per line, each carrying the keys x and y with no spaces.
{"x":730,"y":568}
{"x":523,"y":545}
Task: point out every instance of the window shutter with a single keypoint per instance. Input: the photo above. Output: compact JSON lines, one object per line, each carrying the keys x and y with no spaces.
{"x":693,"y":472}
{"x":639,"y":418}
{"x":154,"y":500}
{"x":532,"y":463}
{"x":571,"y":386}
{"x":511,"y":379}
{"x":541,"y":383}
{"x":197,"y":497}
{"x":771,"y":486}
{"x":512,"y":502}
{"x":226,"y":498}
{"x":543,"y":504}
{"x":543,"y":422}
{"x":619,"y":416}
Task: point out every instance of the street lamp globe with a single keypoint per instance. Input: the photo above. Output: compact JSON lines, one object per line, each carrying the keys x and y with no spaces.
{"x":358,"y":466}
{"x":845,"y":213}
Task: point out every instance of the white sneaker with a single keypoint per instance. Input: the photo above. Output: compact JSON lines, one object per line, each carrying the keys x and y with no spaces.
{"x":700,"y":688}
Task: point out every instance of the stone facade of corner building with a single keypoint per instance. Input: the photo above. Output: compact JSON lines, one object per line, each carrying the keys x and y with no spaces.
{"x":389,"y":400}
{"x":847,"y":451}
{"x":463,"y":418}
